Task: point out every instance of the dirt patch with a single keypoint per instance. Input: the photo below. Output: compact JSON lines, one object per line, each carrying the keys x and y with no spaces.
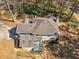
{"x":76,"y":16}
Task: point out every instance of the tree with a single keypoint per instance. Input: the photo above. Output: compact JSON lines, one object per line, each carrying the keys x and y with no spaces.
{"x":8,"y":6}
{"x":73,"y":8}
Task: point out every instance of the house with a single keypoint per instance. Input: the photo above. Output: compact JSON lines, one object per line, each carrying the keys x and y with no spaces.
{"x":39,"y":29}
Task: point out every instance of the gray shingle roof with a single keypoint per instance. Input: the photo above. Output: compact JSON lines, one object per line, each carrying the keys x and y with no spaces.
{"x":45,"y":27}
{"x":25,"y":28}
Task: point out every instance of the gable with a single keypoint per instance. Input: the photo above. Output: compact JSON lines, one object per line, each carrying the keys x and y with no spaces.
{"x":26,"y":41}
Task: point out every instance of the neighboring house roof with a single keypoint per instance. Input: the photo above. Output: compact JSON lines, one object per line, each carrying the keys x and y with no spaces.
{"x":42,"y":26}
{"x":2,"y":5}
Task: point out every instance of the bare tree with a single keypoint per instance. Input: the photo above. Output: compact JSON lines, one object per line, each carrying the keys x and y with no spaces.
{"x":8,"y":6}
{"x":75,"y":3}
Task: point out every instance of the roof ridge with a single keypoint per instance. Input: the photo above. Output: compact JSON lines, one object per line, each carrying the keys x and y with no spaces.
{"x":37,"y":25}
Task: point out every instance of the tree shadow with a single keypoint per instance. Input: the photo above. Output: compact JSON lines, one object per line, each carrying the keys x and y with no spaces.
{"x":68,"y":50}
